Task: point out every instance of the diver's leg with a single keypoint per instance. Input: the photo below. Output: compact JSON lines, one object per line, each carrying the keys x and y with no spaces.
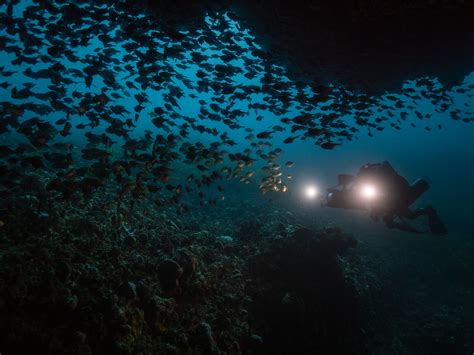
{"x":390,"y":222}
{"x":436,"y":225}
{"x":412,"y":214}
{"x":388,"y":219}
{"x":417,"y":189}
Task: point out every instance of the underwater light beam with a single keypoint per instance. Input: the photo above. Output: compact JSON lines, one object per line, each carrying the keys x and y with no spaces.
{"x":311,"y":192}
{"x":369,"y":192}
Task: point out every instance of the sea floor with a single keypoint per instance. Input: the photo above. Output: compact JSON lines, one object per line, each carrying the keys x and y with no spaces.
{"x":81,"y":279}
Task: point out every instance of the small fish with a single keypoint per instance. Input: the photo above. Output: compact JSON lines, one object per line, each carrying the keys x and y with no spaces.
{"x":102,"y":99}
{"x":290,"y":139}
{"x":302,"y":120}
{"x":82,"y":110}
{"x":313,"y":131}
{"x":328,"y":145}
{"x":265,"y":134}
{"x":66,"y":130}
{"x":61,"y":121}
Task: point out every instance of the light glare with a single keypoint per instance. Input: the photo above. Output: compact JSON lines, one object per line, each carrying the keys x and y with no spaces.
{"x":369,"y":192}
{"x":311,"y":192}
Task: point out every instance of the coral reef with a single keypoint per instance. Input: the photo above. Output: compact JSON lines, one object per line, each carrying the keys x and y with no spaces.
{"x":85,"y":283}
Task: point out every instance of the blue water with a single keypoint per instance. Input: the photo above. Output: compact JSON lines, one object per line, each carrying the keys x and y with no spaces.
{"x":444,"y":156}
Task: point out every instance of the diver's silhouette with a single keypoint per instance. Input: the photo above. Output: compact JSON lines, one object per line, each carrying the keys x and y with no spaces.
{"x":394,"y":197}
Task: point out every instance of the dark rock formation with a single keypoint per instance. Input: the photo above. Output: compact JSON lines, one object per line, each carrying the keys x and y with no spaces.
{"x":363,"y":44}
{"x":301,"y":302}
{"x":169,"y":272}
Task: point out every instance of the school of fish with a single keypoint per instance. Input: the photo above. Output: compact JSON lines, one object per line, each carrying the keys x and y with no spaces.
{"x":67,"y":126}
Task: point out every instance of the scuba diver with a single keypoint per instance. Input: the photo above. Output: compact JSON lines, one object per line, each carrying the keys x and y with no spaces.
{"x":388,"y":195}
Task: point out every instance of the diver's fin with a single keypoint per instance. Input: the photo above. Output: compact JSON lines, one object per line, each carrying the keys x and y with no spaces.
{"x":437,"y":227}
